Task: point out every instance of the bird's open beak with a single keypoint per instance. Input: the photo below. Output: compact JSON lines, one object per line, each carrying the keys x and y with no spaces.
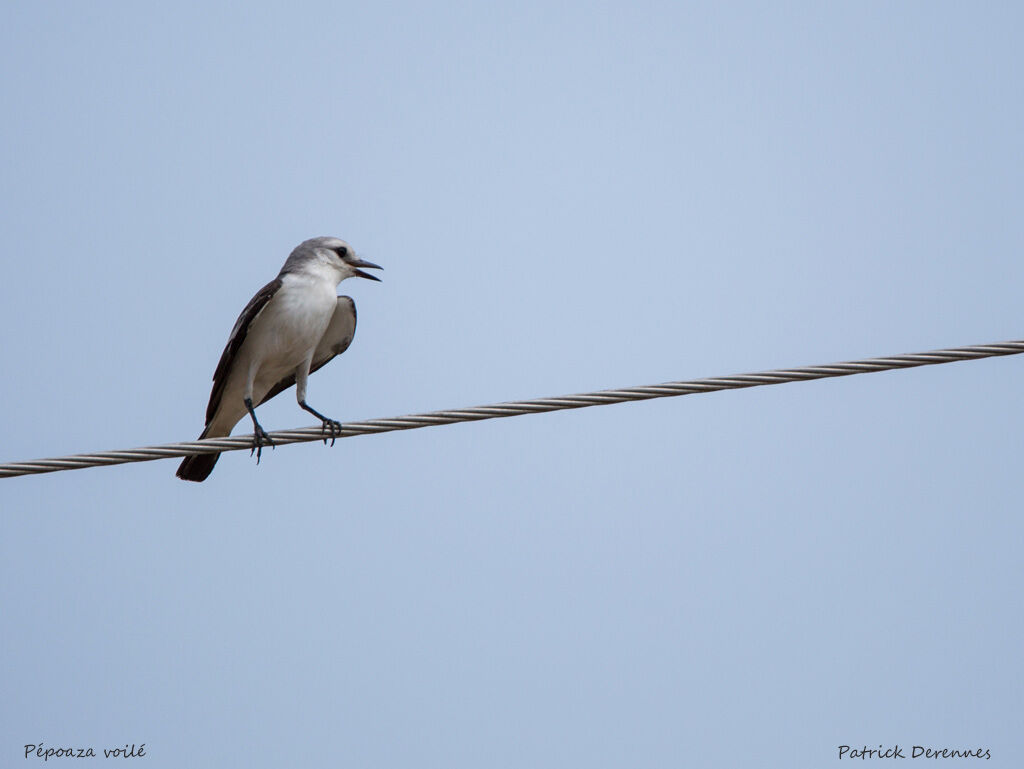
{"x":369,"y":266}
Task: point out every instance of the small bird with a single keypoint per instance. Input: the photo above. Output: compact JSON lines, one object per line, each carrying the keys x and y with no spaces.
{"x":293,"y":326}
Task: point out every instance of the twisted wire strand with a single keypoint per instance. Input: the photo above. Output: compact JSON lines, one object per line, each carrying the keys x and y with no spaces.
{"x":518,"y":408}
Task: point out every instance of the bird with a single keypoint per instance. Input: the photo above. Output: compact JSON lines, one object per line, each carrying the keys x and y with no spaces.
{"x":292,"y":327}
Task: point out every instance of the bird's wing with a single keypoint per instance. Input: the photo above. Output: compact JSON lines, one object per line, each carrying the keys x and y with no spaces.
{"x":238,"y":334}
{"x":335,"y":341}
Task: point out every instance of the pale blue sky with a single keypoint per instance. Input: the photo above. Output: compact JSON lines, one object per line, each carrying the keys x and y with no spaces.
{"x":564,"y":197}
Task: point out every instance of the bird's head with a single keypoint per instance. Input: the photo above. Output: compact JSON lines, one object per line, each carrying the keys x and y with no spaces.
{"x":333,"y":253}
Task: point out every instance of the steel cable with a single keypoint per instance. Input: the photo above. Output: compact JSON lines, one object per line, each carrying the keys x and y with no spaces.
{"x":517,"y":408}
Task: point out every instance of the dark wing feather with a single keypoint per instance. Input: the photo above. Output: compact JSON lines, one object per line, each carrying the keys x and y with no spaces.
{"x":238,"y":333}
{"x":335,"y":341}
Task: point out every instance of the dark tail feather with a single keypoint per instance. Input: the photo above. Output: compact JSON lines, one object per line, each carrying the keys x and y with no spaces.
{"x":197,"y":467}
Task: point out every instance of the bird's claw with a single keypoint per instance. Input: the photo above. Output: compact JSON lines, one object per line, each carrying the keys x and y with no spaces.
{"x":259,"y":440}
{"x":330,"y":429}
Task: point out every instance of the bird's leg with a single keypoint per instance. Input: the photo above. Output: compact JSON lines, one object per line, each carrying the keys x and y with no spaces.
{"x":330,"y":429}
{"x":260,"y":436}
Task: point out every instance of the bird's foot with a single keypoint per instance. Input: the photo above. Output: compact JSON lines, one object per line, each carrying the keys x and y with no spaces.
{"x":330,"y":429}
{"x":259,"y":440}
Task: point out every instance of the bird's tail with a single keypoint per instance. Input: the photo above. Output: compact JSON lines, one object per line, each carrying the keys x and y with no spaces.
{"x":197,"y":467}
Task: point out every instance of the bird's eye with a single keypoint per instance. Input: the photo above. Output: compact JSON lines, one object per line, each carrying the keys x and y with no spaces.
{"x":342,"y":252}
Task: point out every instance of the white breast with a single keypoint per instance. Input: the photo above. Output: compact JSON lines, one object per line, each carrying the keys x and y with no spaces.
{"x":288,"y":329}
